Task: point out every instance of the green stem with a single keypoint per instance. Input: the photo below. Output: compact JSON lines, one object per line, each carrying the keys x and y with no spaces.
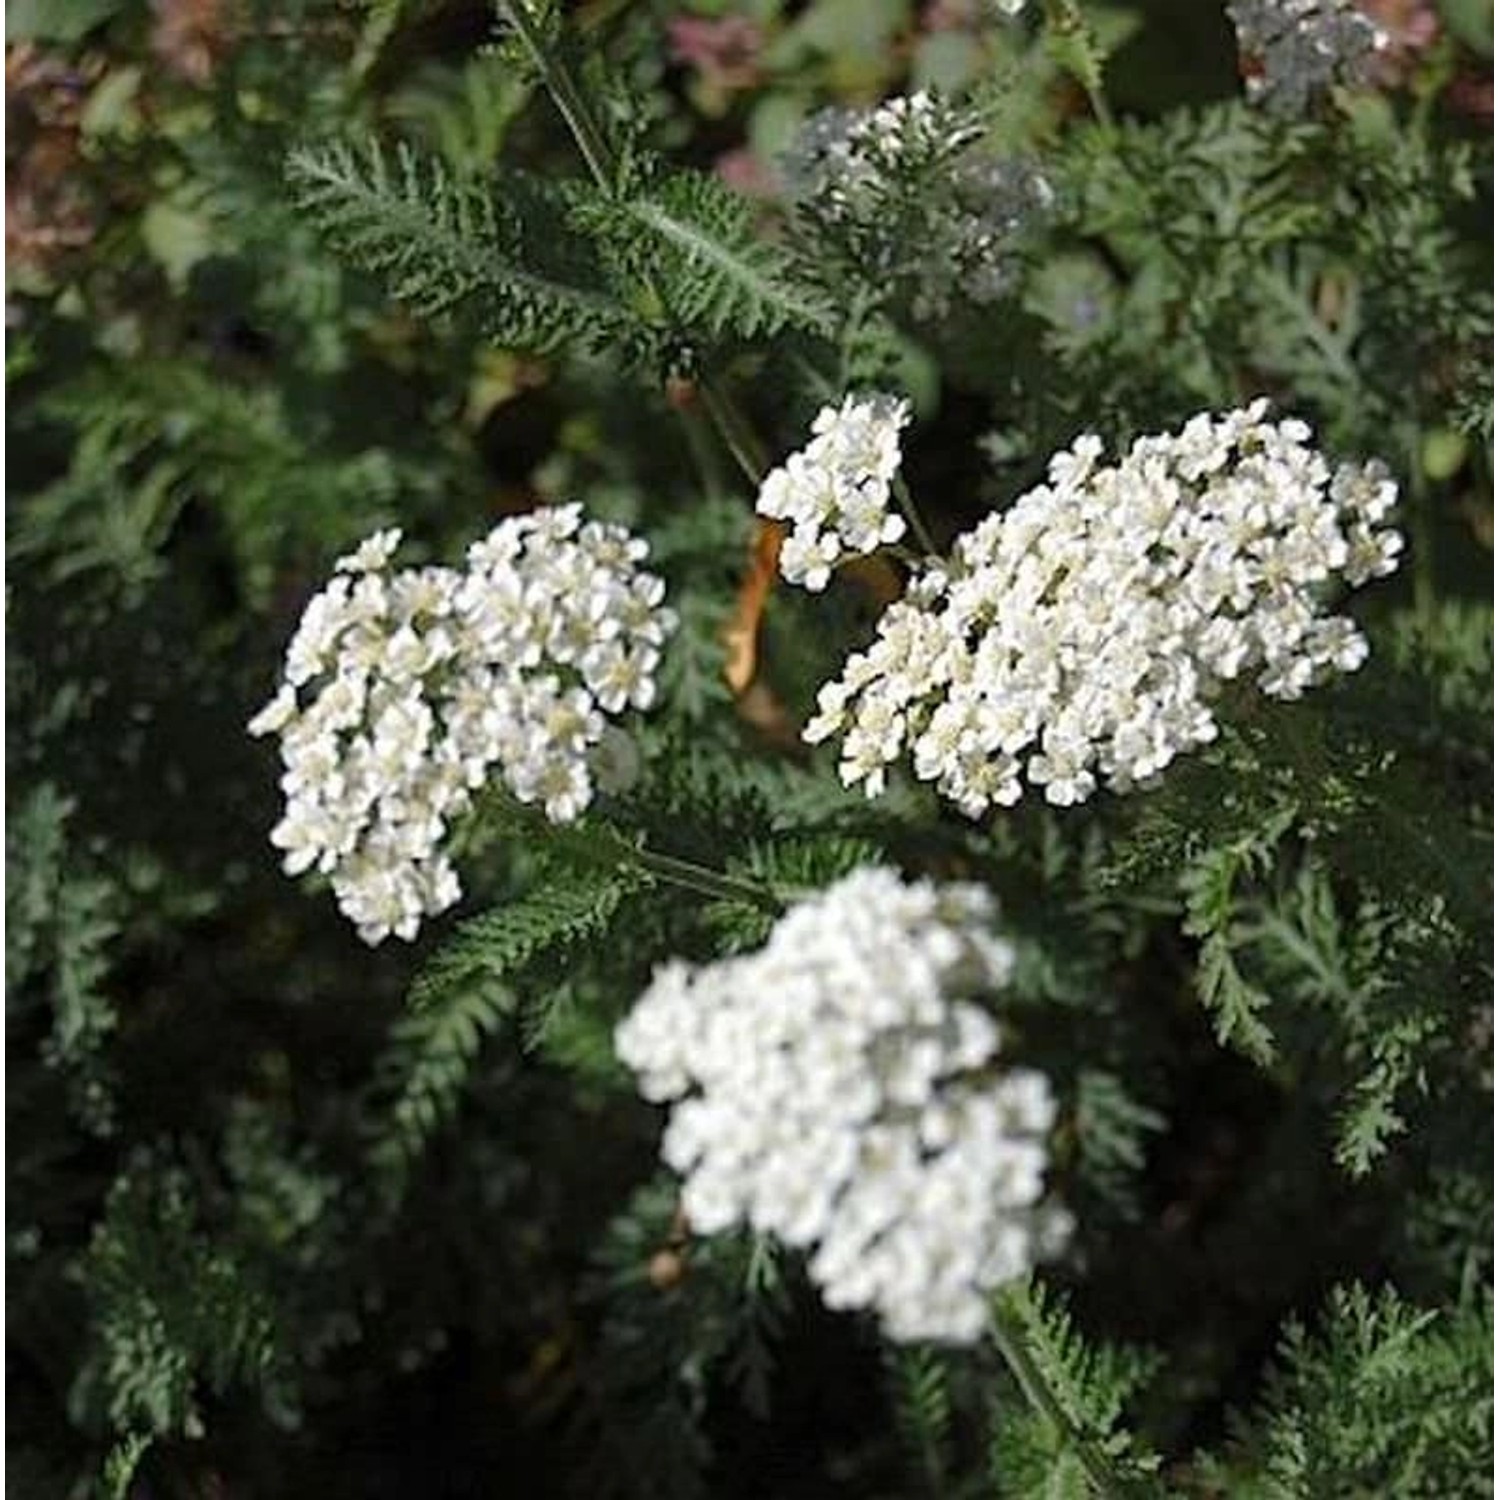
{"x":705,"y":882}
{"x":1418,"y":515}
{"x":1011,"y":1342}
{"x":913,"y":516}
{"x":559,"y":83}
{"x":605,"y":846}
{"x":739,"y":437}
{"x":593,"y":146}
{"x":1099,"y":104}
{"x":708,"y":458}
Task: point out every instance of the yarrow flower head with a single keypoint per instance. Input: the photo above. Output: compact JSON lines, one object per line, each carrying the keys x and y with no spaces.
{"x":836,"y":491}
{"x":1296,"y":49}
{"x":1082,"y":635}
{"x":907,"y":195}
{"x":840,"y":1089}
{"x":404,"y":689}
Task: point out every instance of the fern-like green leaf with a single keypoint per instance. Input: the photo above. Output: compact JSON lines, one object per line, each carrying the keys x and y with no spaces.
{"x":1084,"y":1387}
{"x":175,"y":1308}
{"x":924,"y":1410}
{"x":1212,"y":913}
{"x":120,"y":1465}
{"x":694,"y":240}
{"x":1389,"y":1400}
{"x":438,"y":242}
{"x":468,"y":991}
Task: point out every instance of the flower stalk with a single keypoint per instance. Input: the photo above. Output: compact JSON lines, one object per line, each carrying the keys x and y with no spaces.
{"x":688,"y":875}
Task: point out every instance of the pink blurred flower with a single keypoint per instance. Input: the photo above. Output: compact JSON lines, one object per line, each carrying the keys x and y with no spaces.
{"x":1410,"y":27}
{"x":951,"y":15}
{"x":191,"y":37}
{"x":1473,"y":94}
{"x":746,"y":173}
{"x":726,"y":52}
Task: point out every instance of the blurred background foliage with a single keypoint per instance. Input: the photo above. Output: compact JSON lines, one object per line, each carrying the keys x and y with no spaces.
{"x":306,"y":1242}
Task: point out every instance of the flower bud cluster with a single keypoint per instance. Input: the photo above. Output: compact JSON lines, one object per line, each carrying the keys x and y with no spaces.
{"x":1082,"y":635}
{"x":1295,"y":49}
{"x":836,"y":491}
{"x":903,"y":190}
{"x":403,"y":689}
{"x":839,"y":1089}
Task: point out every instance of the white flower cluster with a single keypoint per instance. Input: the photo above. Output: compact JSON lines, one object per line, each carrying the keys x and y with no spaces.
{"x":404,"y":688}
{"x":836,"y":491}
{"x":1081,"y":635}
{"x":837,"y":1089}
{"x":904,"y":193}
{"x":1295,"y":49}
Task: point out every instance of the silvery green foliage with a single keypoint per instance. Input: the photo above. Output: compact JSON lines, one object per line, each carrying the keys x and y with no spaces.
{"x":405,"y":689}
{"x":838,"y":1088}
{"x":1296,"y":49}
{"x":835,"y":493}
{"x":907,"y":195}
{"x":1082,"y":636}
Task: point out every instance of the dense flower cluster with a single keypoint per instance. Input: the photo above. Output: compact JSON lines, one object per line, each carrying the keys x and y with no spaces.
{"x":1295,"y":49}
{"x":903,"y":191}
{"x":838,"y":1089}
{"x":1082,"y":635}
{"x":836,"y":491}
{"x":404,"y":688}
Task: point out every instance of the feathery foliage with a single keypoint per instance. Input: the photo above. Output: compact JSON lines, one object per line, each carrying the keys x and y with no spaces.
{"x":691,"y":239}
{"x":1386,"y":1399}
{"x":474,"y":984}
{"x":438,"y":243}
{"x":289,"y":1216}
{"x":1048,"y":1450}
{"x":173,"y":1310}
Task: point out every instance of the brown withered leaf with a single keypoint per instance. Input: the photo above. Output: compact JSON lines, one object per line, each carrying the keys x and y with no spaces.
{"x":741,"y":631}
{"x":765,"y":713}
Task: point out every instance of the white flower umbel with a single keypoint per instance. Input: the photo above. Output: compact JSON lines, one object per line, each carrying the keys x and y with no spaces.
{"x":1082,"y":635}
{"x":840,"y":1089}
{"x":405,"y":689}
{"x":835,"y":493}
{"x":1293,"y":50}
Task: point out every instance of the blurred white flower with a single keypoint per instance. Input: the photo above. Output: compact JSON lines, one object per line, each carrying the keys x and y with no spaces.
{"x":1293,"y":50}
{"x":907,"y":192}
{"x":839,"y":1088}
